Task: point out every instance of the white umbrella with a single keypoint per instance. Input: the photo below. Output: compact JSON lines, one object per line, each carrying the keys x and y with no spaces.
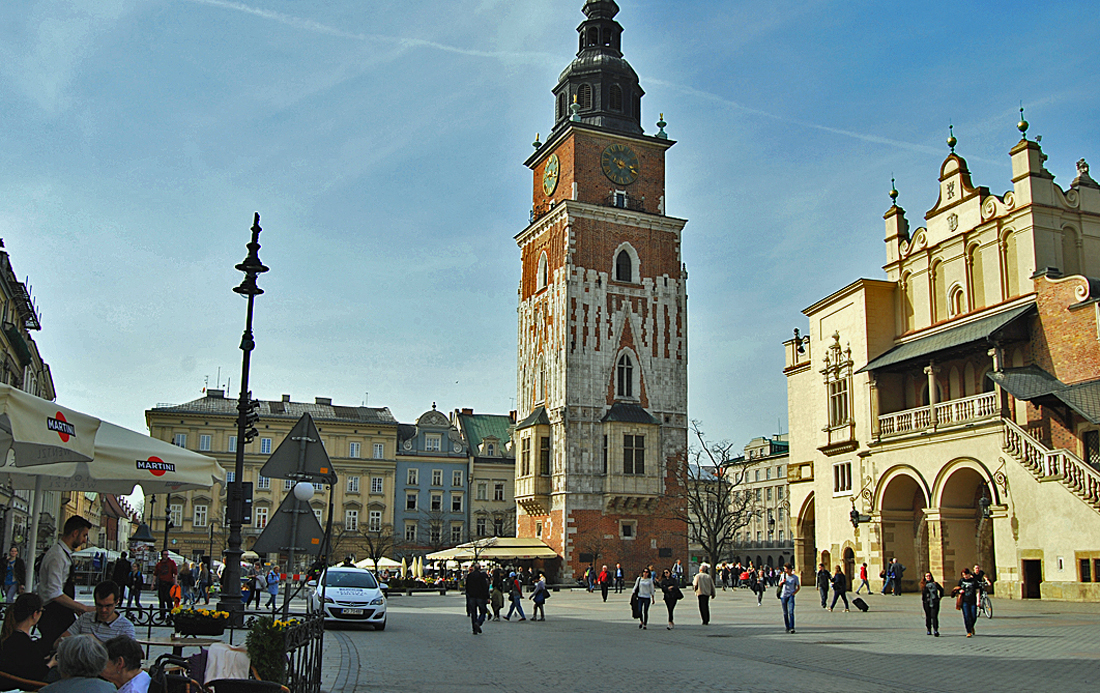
{"x":383,"y":563}
{"x":404,"y":568}
{"x":39,"y":431}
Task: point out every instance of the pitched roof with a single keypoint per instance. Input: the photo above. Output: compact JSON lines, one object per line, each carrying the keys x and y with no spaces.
{"x":212,"y":404}
{"x":535,"y":418}
{"x":628,"y":413}
{"x":1032,"y":383}
{"x":477,"y":427}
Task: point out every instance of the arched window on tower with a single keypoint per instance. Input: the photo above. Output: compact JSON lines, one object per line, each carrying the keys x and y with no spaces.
{"x":625,"y":377}
{"x":584,"y":97}
{"x":615,"y":99}
{"x":562,"y":110}
{"x":594,"y":36}
{"x":607,"y":34}
{"x":624,"y":267}
{"x":543,"y":273}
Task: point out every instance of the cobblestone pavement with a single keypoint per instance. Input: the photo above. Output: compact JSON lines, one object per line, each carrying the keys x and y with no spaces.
{"x":587,"y":644}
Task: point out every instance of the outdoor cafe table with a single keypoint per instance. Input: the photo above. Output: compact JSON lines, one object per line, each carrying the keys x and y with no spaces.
{"x":177,"y":644}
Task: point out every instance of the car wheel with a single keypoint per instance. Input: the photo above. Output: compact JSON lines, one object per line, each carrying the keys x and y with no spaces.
{"x":380,"y":626}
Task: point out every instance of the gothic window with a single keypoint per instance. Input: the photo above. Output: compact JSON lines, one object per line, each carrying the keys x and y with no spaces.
{"x":544,"y":456}
{"x":607,"y":34}
{"x":625,"y":377}
{"x":939,"y":293}
{"x":616,"y":98}
{"x":633,"y":454}
{"x":1010,"y":286}
{"x":958,"y":301}
{"x":525,"y":457}
{"x":584,"y":97}
{"x":624,"y":267}
{"x":543,"y":273}
{"x":838,"y":382}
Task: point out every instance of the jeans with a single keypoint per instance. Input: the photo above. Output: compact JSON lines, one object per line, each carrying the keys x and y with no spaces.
{"x":516,"y":606}
{"x":271,"y":601}
{"x":839,"y":595}
{"x":670,"y":604}
{"x":603,"y":590}
{"x":970,"y":615}
{"x":643,"y":609}
{"x":478,"y":609}
{"x":824,"y":591}
{"x":863,"y":583}
{"x":788,"y":611}
{"x":11,"y":592}
{"x":618,"y":585}
{"x":133,"y":597}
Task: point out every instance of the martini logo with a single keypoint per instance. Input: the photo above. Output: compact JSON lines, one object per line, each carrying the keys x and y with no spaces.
{"x":156,"y":466}
{"x":61,"y":427}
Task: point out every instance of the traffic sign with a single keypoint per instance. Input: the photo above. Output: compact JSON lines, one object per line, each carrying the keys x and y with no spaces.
{"x":300,"y":456}
{"x":279,"y":535}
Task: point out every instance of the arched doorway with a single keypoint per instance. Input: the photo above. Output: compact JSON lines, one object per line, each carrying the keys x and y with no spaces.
{"x":967,"y":537}
{"x":904,"y":532}
{"x":805,"y":542}
{"x":850,"y":566}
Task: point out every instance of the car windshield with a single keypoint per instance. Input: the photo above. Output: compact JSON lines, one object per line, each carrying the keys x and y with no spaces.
{"x":351,"y":579}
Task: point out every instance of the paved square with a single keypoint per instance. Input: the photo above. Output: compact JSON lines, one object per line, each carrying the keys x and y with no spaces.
{"x":588,"y":645}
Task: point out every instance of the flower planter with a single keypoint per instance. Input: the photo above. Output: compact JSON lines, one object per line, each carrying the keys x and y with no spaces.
{"x":186,"y":625}
{"x":244,"y":686}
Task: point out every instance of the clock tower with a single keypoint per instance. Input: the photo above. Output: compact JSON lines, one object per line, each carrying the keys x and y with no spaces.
{"x":602,"y":361}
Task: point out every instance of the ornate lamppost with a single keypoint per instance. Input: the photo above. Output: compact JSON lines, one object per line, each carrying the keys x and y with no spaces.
{"x":246,"y":431}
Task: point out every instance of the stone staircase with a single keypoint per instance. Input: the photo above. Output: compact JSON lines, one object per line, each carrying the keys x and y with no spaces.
{"x":1053,"y":465}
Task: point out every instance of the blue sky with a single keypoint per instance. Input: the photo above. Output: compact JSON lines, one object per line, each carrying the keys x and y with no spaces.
{"x":382,"y":142}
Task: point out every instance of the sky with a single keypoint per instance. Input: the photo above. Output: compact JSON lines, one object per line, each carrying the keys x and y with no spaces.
{"x":382,"y":144}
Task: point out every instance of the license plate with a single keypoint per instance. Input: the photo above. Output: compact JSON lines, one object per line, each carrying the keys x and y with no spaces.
{"x":353,"y":612}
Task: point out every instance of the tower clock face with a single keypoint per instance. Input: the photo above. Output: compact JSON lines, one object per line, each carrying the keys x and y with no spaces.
{"x":550,"y":175}
{"x":620,"y":164}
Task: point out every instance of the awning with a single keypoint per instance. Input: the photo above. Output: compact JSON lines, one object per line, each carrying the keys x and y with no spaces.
{"x":977,"y":331}
{"x":496,"y":549}
{"x":1033,"y":384}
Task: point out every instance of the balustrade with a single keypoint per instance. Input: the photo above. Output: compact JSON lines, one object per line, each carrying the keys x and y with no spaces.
{"x":952,"y":412}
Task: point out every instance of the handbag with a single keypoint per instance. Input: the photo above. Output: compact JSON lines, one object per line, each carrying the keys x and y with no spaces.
{"x":779,"y":590}
{"x":959,"y":601}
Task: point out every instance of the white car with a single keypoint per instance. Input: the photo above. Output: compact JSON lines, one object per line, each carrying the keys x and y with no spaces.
{"x":351,"y":595}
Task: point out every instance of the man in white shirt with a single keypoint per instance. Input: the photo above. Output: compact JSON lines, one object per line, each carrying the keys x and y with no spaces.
{"x":55,"y":581}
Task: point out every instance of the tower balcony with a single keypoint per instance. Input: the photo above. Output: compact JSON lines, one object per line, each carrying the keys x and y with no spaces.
{"x":533,"y":493}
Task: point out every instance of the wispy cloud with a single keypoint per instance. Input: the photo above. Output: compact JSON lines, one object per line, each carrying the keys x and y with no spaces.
{"x":404,"y":42}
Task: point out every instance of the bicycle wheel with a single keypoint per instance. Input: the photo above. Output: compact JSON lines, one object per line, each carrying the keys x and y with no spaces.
{"x":987,"y":606}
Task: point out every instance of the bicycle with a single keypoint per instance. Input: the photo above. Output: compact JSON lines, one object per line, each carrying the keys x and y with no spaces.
{"x":985,"y":604}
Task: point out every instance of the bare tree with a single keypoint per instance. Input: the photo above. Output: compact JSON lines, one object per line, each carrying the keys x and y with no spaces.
{"x":591,"y":545}
{"x":715,"y":503}
{"x":434,"y":523}
{"x":498,"y":523}
{"x":378,"y":543}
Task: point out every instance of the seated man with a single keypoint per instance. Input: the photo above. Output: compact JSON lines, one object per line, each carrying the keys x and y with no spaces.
{"x":124,"y":666}
{"x":104,"y":623}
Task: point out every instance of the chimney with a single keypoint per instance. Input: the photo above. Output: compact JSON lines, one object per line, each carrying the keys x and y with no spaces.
{"x":467,"y":411}
{"x":286,"y":398}
{"x":512,"y":415}
{"x":327,"y":401}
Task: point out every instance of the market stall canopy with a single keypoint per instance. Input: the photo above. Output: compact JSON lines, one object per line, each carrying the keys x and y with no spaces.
{"x":497,"y":549}
{"x":383,"y":564}
{"x":121,"y":458}
{"x":91,"y":551}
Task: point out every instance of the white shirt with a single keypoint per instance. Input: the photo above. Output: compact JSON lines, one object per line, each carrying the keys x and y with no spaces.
{"x":138,"y":684}
{"x":54,"y":571}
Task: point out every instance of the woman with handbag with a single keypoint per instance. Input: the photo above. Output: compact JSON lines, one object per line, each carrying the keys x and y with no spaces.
{"x":672,"y":594}
{"x":966,"y":599}
{"x":539,"y":598}
{"x":931,"y":593}
{"x":643,"y":595}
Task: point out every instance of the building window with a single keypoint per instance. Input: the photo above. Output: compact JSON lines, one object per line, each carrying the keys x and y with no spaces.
{"x":491,"y":450}
{"x":353,"y":484}
{"x":628,"y":529}
{"x":204,"y":443}
{"x":633,"y":454}
{"x":230,"y":477}
{"x":498,"y":491}
{"x":781,"y":536}
{"x":263,"y":483}
{"x":758,"y":494}
{"x":437,"y":477}
{"x":410,"y":532}
{"x":768,"y":493}
{"x":456,"y":478}
{"x":374,"y":521}
{"x":317,"y":514}
{"x":605,"y":454}
{"x":456,"y":533}
{"x":456,"y":502}
{"x":779,"y":493}
{"x":410,"y":501}
{"x":757,"y":478}
{"x":265,"y":446}
{"x":198,"y":519}
{"x":177,"y":515}
{"x":616,"y":98}
{"x":842,"y":478}
{"x":624,"y":267}
{"x":625,"y":376}
{"x":379,"y":451}
{"x":414,"y":477}
{"x":435,"y":534}
{"x":376,"y":484}
{"x":260,"y":517}
{"x":482,"y":491}
{"x":584,"y":97}
{"x":288,"y":484}
{"x":543,"y":276}
{"x":525,"y":457}
{"x":353,"y":450}
{"x":480,"y":526}
{"x":437,"y":502}
{"x":432,"y":443}
{"x":838,"y":376}
{"x":768,"y":474}
{"x":1092,"y":449}
{"x":180,"y":440}
{"x":351,"y":520}
{"x":544,"y":456}
{"x":232,"y":443}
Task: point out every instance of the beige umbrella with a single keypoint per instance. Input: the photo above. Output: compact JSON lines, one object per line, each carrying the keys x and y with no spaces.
{"x":36,"y":431}
{"x":404,"y":568}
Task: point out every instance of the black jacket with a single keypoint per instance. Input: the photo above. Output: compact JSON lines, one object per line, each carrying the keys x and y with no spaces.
{"x":477,"y":585}
{"x":19,"y":570}
{"x":121,"y":573}
{"x":824,"y":579}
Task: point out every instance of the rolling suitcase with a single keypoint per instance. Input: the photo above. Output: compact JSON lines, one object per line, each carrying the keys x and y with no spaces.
{"x":859,"y":603}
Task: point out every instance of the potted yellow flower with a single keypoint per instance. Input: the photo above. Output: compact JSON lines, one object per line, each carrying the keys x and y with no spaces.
{"x":266,"y":643}
{"x":192,"y":621}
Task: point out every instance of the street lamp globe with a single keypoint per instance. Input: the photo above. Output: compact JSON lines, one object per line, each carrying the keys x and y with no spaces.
{"x":303,"y":491}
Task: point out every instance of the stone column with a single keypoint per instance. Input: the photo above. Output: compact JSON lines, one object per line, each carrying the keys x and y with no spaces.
{"x":930,"y":370}
{"x":997,"y":355}
{"x":873,"y":386}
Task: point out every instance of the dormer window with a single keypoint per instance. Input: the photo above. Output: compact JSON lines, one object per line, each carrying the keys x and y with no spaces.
{"x":625,"y":377}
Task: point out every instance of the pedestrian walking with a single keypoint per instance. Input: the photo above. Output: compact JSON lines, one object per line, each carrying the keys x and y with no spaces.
{"x":703,"y":584}
{"x":643,"y":594}
{"x":496,"y":596}
{"x":824,"y":581}
{"x":757,"y":584}
{"x":515,"y":590}
{"x":203,"y":589}
{"x":477,"y":597}
{"x":259,"y":585}
{"x":14,"y":573}
{"x":678,"y":572}
{"x":620,"y":579}
{"x":671,"y":593}
{"x":966,"y":599}
{"x":165,"y":572}
{"x":931,"y":594}
{"x":863,"y":580}
{"x":539,"y":597}
{"x":789,"y":586}
{"x":186,"y":579}
{"x":121,"y":575}
{"x":840,"y":589}
{"x":136,"y":583}
{"x":604,"y":579}
{"x":272,"y":579}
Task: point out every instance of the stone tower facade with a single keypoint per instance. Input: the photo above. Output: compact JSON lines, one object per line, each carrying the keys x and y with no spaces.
{"x":602,"y":360}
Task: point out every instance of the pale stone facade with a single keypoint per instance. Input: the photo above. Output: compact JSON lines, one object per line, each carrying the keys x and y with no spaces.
{"x":954,"y":405}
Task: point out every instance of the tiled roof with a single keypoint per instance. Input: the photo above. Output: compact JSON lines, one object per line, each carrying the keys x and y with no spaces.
{"x":976,"y":331}
{"x":628,"y":413}
{"x":535,"y":418}
{"x":284,"y":410}
{"x":477,"y":427}
{"x":1033,"y":383}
